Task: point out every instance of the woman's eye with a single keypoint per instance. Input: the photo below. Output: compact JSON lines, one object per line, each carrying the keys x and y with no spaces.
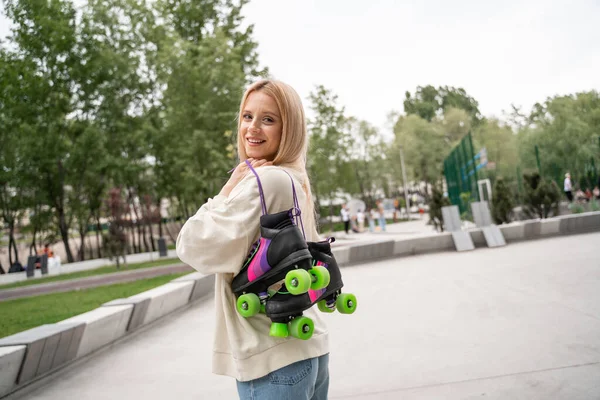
{"x":268,"y":119}
{"x":247,"y":116}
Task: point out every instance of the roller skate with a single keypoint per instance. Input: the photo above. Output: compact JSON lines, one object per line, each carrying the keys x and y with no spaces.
{"x":281,"y":253}
{"x":286,"y":311}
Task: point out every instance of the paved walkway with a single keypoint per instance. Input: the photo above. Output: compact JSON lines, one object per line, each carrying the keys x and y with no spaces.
{"x":519,"y":322}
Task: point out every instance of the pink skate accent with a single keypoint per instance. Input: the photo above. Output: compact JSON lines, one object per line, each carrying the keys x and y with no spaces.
{"x":259,"y":265}
{"x":321,"y":264}
{"x":315,"y":294}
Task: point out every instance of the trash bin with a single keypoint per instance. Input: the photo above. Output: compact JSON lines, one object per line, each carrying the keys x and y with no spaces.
{"x":162,"y":247}
{"x":44,"y":264}
{"x":31,"y":266}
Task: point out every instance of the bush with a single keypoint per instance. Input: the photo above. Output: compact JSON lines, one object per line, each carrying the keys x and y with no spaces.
{"x":324,"y":211}
{"x":502,"y":202}
{"x":541,"y":197}
{"x":435,"y":208}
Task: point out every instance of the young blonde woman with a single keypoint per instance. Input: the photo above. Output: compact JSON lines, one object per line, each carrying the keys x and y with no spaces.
{"x":272,"y":137}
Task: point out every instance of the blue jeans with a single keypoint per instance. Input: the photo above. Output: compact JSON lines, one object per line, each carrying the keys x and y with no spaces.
{"x":371,"y":225}
{"x":382,"y":223}
{"x":302,"y":380}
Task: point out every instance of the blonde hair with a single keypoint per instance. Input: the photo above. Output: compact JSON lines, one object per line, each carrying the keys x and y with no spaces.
{"x":293,"y":147}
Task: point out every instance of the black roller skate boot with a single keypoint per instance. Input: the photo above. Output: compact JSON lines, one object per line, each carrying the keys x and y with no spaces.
{"x":286,"y":311}
{"x":280,"y":253}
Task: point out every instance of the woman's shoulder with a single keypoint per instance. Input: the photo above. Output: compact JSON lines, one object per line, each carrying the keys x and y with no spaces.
{"x":277,"y":176}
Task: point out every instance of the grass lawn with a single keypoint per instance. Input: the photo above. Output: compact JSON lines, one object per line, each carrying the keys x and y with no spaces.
{"x":22,"y":314}
{"x":97,"y":271}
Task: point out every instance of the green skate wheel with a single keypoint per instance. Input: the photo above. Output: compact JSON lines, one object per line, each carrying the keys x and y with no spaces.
{"x":320,"y":277}
{"x":302,"y":328}
{"x":263,"y":309}
{"x":323,"y":307}
{"x":346,"y":303}
{"x":298,"y":281}
{"x":279,"y":329}
{"x":248,"y":305}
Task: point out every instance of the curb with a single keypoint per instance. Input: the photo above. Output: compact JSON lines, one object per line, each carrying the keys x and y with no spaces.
{"x":32,"y":355}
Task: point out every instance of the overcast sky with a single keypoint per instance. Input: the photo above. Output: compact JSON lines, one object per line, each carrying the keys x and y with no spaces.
{"x":371,"y":52}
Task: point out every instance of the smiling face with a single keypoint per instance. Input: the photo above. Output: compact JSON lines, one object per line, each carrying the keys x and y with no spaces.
{"x":261,"y":126}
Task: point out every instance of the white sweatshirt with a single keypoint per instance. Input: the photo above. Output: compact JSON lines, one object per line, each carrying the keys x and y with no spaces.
{"x":216,"y":241}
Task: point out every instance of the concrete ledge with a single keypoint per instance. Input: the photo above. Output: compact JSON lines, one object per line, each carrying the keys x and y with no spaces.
{"x":165,"y":298}
{"x":204,"y":285}
{"x":342,"y":255}
{"x":11,"y":358}
{"x":513,"y":232}
{"x":578,"y":223}
{"x":423,"y":244}
{"x":47,"y":347}
{"x":371,"y":251}
{"x":549,"y":227}
{"x":532,"y":229}
{"x":102,"y":326}
{"x":140,"y":308}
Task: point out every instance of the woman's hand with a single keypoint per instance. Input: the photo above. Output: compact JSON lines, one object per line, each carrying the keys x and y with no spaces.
{"x":240,"y":172}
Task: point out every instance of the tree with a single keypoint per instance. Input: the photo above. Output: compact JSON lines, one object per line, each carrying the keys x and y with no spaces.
{"x":429,"y":102}
{"x":541,"y":197}
{"x":435,"y":207}
{"x":367,"y":162}
{"x":115,"y":241}
{"x":502,"y":202}
{"x":500,"y":143}
{"x":329,"y":140}
{"x":566,"y":131}
{"x":425,"y":147}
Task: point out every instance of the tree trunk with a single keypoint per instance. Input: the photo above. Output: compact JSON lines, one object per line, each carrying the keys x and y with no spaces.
{"x":98,"y":230}
{"x":33,"y":245}
{"x":151,"y":236}
{"x":169,"y":233}
{"x":160,"y":229}
{"x":64,"y":233}
{"x":81,"y":255}
{"x":142,"y":228}
{"x":133,"y":244}
{"x":11,"y":244}
{"x":331,"y":212}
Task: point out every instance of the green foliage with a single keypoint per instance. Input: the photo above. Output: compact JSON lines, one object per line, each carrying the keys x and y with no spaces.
{"x":424,"y":148}
{"x":541,"y":197}
{"x":502,"y":202}
{"x":500,"y":143}
{"x":566,"y":130}
{"x":435,"y":208}
{"x":326,"y":210}
{"x":136,"y":94}
{"x":577,"y":209}
{"x":429,"y":102}
{"x":329,"y":144}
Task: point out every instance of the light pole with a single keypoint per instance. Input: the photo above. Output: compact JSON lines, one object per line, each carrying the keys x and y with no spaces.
{"x":404,"y":183}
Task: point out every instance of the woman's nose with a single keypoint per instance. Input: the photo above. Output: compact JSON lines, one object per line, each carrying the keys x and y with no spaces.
{"x":254,"y":125}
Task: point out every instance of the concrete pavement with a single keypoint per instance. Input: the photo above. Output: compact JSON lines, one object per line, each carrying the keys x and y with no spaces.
{"x":518,"y":322}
